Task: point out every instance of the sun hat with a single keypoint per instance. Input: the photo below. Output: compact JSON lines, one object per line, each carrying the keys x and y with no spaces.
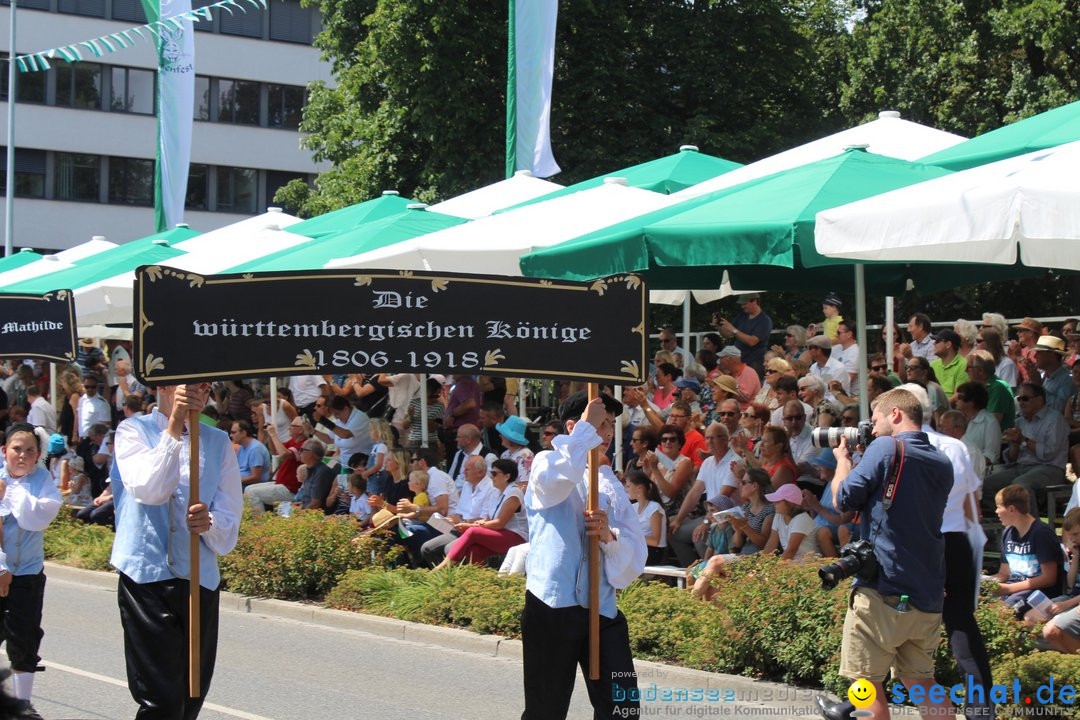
{"x":57,"y":446}
{"x":1031,"y":324}
{"x":726,"y":382}
{"x":513,"y":429}
{"x":820,"y":341}
{"x":824,"y":459}
{"x":686,"y":383}
{"x":1049,"y":343}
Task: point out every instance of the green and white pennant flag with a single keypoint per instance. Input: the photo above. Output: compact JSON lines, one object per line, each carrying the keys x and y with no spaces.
{"x":175,"y":41}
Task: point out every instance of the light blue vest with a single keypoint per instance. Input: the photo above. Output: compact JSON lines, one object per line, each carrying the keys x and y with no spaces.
{"x":25,"y":549}
{"x":151,"y":544}
{"x":557,"y":567}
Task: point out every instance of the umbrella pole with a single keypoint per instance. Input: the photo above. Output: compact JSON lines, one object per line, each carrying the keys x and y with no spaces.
{"x":594,"y":556}
{"x":686,"y":330}
{"x":52,"y":387}
{"x":522,"y":406}
{"x":860,"y":308}
{"x":194,"y":621}
{"x":890,"y":312}
{"x":618,"y":431}
{"x":423,"y":411}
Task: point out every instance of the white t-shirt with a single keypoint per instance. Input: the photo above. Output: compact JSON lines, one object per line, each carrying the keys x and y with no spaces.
{"x":801,"y":523}
{"x":357,"y":423}
{"x":965,"y":481}
{"x":645,"y":519}
{"x":519,"y":521}
{"x":848,"y":357}
{"x":716,"y":474}
{"x":306,"y":389}
{"x":439,"y":483}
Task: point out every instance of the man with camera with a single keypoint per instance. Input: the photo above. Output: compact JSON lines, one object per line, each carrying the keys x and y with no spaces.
{"x":893,"y":622}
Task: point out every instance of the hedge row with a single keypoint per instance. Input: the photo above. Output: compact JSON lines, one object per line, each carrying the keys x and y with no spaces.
{"x":771,"y":620}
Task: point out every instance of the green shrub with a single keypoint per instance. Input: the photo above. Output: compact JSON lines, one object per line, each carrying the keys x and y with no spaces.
{"x":667,"y":625}
{"x":299,"y":557}
{"x":70,"y":542}
{"x":1034,"y":670}
{"x":465,"y":596}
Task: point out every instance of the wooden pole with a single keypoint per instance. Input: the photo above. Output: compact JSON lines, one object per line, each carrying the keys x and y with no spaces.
{"x":594,"y":556}
{"x":194,"y":621}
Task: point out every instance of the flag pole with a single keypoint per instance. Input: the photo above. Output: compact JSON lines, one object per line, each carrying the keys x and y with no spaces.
{"x":194,"y":620}
{"x":9,"y":194}
{"x":511,"y":91}
{"x":594,"y":555}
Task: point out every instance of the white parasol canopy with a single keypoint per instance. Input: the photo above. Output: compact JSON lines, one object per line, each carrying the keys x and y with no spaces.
{"x":519,"y":188}
{"x":1026,"y":208}
{"x":888,"y":135}
{"x":110,"y":301}
{"x":57,"y":261}
{"x":493,"y":245}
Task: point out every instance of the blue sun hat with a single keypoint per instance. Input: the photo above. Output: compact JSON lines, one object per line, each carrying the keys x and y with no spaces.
{"x":513,"y":429}
{"x":57,"y":446}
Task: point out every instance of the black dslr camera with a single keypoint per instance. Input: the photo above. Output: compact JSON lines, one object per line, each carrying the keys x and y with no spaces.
{"x":856,"y":558}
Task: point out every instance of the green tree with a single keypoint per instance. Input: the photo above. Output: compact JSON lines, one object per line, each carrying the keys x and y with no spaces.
{"x":420,"y":100}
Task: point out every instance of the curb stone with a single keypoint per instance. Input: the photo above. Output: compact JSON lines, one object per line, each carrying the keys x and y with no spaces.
{"x":450,"y":638}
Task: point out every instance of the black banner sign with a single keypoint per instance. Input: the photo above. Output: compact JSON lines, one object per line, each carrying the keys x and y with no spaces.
{"x":190,"y":327}
{"x":38,"y":326}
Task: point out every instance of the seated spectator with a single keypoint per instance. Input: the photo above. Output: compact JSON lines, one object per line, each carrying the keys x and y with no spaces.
{"x":746,"y":378}
{"x":1049,"y":371}
{"x":435,"y":409}
{"x":774,"y":370}
{"x":479,"y":501}
{"x":969,"y":334}
{"x":921,"y":373}
{"x":285,"y":485}
{"x":879,"y":365}
{"x":359,"y":509}
{"x":922,"y":342}
{"x":94,"y":451}
{"x":723,"y":388}
{"x":391,"y":484}
{"x":833,"y":529}
{"x":669,"y":468}
{"x":752,"y":424}
{"x":990,"y":340}
{"x":78,"y":484}
{"x":1000,"y":402}
{"x":100,"y":510}
{"x":482,"y":538}
{"x":687,"y":529}
{"x":41,"y":412}
{"x":515,"y":444}
{"x":251,"y":455}
{"x":681,"y":416}
{"x":706,"y":358}
{"x":643,"y":440}
{"x":642,"y":491}
{"x":491,"y":414}
{"x":793,"y":532}
{"x":689,"y":393}
{"x":827,"y":368}
{"x":983,"y":433}
{"x":382,"y":438}
{"x":1037,"y":448}
{"x":551,"y":431}
{"x":794,"y":343}
{"x":752,"y":530}
{"x":316,"y":478}
{"x":1063,"y":630}
{"x":812,"y":393}
{"x":950,"y":366}
{"x":775,"y":459}
{"x":1022,"y":352}
{"x":786,"y":389}
{"x":718,"y":534}
{"x":57,"y":453}
{"x":1030,"y":552}
{"x":418,"y":485}
{"x":1072,"y":418}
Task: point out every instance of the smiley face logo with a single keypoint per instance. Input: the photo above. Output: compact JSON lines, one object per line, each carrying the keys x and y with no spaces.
{"x":861,"y":693}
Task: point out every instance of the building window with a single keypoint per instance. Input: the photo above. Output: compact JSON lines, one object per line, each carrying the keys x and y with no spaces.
{"x":202,"y":97}
{"x":29,"y":172}
{"x":130,"y":10}
{"x":237,"y":190}
{"x":92,"y":8}
{"x":286,"y":106}
{"x":198,"y":187}
{"x":290,"y":22}
{"x":77,"y":177}
{"x":277,"y":179}
{"x":248,"y":24}
{"x":132,"y":91}
{"x":31,"y":85}
{"x":131,"y":181}
{"x":238,"y":102}
{"x":34,"y":4}
{"x":78,"y":85}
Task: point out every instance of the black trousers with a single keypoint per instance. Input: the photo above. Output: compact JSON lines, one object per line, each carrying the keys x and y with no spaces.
{"x":103,"y":514}
{"x":958,"y":614}
{"x":555,"y":642}
{"x":155,"y":620}
{"x":20,"y":621}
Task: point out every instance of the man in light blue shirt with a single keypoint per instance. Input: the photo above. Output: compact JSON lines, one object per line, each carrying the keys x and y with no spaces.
{"x":555,"y":623}
{"x":251,"y":455}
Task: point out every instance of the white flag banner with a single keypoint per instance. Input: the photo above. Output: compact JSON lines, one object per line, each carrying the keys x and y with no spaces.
{"x":176,"y":102}
{"x":534,"y":36}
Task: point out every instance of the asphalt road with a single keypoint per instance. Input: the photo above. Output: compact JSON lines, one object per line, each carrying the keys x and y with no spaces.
{"x":269,"y":667}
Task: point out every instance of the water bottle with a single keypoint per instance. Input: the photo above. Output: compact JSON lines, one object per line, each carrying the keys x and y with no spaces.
{"x":284,"y":509}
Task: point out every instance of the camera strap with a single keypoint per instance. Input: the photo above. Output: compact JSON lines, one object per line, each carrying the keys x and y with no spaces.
{"x":892,"y":480}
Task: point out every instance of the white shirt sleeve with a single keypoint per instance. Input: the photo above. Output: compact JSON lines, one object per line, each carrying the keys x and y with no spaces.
{"x":226,"y":507}
{"x":33,"y":513}
{"x":150,"y":474}
{"x":624,"y":558}
{"x":557,"y":472}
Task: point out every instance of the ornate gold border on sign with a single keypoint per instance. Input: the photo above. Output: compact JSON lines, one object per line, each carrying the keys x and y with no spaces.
{"x":362,"y":279}
{"x":61,"y":295}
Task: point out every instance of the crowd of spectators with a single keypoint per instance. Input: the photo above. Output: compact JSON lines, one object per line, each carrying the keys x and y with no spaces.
{"x":717,"y":446}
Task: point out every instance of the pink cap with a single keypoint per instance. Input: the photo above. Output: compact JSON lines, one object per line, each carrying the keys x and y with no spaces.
{"x":789,"y":492}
